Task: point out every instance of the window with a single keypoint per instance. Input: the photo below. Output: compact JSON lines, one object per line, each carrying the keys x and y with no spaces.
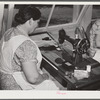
{"x":96,"y":12}
{"x":62,"y":14}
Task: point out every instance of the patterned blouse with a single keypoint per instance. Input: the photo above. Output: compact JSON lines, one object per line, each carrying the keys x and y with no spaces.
{"x":25,"y":52}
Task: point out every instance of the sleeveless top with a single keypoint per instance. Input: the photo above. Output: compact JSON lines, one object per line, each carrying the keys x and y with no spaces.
{"x":7,"y":53}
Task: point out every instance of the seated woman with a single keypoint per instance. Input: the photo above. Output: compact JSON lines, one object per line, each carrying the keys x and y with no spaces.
{"x":20,"y":57}
{"x":94,"y":50}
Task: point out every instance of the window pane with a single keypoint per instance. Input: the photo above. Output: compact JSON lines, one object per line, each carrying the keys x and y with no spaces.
{"x":96,"y":12}
{"x":62,"y":14}
{"x":45,"y":11}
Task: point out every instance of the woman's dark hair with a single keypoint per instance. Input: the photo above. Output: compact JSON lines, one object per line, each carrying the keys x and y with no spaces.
{"x":27,"y":13}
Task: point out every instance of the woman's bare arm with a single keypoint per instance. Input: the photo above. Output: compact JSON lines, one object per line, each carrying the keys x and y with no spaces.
{"x":27,"y":54}
{"x":32,"y":74}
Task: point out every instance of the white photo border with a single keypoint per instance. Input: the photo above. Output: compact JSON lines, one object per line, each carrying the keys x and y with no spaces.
{"x":32,"y":94}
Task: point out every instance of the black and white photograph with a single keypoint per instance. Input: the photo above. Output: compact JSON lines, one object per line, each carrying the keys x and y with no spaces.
{"x":52,"y":48}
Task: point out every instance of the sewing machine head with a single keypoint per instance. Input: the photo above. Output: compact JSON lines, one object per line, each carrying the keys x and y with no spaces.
{"x":80,"y":46}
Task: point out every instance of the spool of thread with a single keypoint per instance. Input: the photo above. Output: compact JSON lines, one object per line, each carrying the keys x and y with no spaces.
{"x":88,"y":68}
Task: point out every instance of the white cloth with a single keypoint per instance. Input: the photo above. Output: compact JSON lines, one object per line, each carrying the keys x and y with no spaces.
{"x":22,"y":82}
{"x":7,"y":53}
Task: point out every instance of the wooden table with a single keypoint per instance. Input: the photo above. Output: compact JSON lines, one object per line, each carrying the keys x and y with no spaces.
{"x":58,"y":63}
{"x":54,"y":62}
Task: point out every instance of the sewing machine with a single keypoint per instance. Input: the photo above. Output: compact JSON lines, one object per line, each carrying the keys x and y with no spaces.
{"x":61,"y":63}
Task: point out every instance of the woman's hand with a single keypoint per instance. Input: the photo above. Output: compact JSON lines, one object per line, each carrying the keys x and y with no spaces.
{"x":41,"y":78}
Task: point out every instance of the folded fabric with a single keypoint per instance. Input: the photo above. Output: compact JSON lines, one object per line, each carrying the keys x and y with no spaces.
{"x":25,"y":85}
{"x":81,"y":74}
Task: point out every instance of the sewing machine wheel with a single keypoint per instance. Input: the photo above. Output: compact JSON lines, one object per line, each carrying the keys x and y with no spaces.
{"x":82,"y":46}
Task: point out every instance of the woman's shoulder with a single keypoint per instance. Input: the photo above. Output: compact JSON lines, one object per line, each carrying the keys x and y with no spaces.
{"x":10,"y":33}
{"x":28,"y":44}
